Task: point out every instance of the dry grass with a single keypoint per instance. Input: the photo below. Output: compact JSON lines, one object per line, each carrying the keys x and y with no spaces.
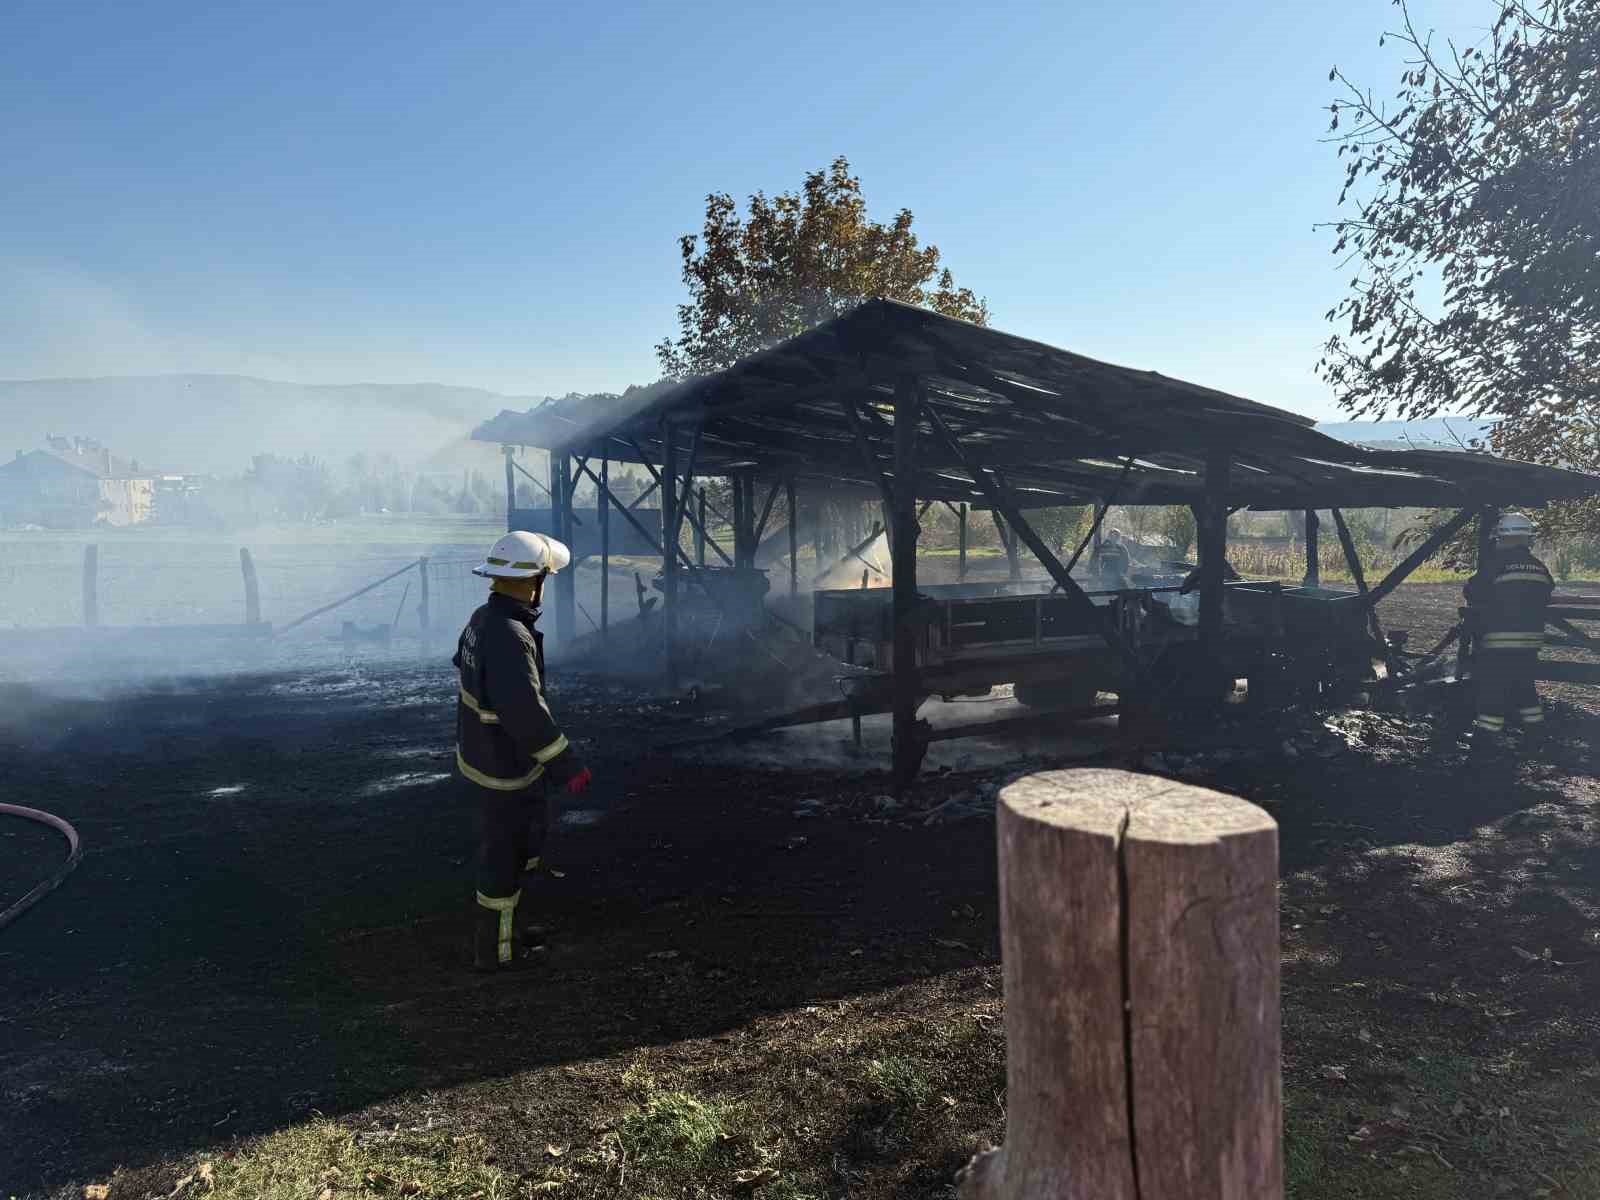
{"x":324,"y":1160}
{"x":1275,"y":562}
{"x":864,"y":1098}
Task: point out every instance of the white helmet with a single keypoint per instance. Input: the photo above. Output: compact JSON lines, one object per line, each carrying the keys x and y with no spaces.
{"x":520,"y":555}
{"x":1513,"y":527}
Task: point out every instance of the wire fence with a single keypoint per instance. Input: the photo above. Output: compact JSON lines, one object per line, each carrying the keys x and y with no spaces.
{"x":42,"y":584}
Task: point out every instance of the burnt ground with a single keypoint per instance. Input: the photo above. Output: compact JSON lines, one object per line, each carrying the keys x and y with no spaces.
{"x":269,"y":923}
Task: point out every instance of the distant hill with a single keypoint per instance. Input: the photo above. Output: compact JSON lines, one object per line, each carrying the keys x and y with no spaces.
{"x":1435,"y":433}
{"x":214,"y":423}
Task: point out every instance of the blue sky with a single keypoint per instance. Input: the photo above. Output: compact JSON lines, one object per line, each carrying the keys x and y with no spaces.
{"x":490,"y":194}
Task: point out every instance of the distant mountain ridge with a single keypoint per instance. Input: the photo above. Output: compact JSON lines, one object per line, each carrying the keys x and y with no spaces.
{"x":214,"y":423}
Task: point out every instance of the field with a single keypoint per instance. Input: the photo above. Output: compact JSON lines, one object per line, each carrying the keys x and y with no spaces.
{"x":757,"y":980}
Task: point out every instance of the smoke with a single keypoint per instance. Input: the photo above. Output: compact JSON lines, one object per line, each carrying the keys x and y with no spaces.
{"x":215,"y":424}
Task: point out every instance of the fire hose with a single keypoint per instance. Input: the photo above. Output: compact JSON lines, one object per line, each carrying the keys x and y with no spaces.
{"x":74,"y":853}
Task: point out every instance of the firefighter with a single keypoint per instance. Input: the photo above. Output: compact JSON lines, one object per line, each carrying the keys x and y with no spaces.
{"x":509,"y":749}
{"x":1506,"y":600}
{"x":1113,"y":561}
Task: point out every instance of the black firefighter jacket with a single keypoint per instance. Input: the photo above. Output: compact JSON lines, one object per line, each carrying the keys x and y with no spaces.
{"x":1510,"y":595}
{"x":505,"y":735}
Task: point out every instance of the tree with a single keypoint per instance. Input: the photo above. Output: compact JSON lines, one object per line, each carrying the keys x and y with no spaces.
{"x":794,"y":261}
{"x":1476,"y":236}
{"x":1061,"y":528}
{"x":1177,"y":525}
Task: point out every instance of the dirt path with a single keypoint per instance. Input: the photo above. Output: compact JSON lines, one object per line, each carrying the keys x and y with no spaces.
{"x":269,"y":923}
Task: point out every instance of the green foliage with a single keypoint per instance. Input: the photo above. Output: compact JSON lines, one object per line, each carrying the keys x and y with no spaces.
{"x":1061,"y":528}
{"x":1176,"y":524}
{"x":1369,"y":527}
{"x":1459,"y":554}
{"x":1476,"y":185}
{"x":1564,"y":562}
{"x":795,"y":260}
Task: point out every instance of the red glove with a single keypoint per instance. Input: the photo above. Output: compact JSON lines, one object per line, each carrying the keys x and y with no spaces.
{"x":580,"y":782}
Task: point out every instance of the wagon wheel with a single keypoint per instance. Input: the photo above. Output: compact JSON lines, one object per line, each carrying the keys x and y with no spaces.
{"x":1075,"y":691}
{"x":1185,"y":677}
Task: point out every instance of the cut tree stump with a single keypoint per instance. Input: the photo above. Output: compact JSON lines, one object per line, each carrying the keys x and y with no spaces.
{"x":1139,"y":931}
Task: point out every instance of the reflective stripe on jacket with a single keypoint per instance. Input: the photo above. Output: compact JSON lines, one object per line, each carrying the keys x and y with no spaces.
{"x":504,"y":731}
{"x":1511,"y":593}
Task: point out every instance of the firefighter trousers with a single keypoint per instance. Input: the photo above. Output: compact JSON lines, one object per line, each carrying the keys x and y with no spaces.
{"x":512,"y":831}
{"x":1506,"y":693}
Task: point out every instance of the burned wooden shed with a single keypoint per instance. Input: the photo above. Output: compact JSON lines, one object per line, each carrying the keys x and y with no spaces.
{"x":906,"y":405}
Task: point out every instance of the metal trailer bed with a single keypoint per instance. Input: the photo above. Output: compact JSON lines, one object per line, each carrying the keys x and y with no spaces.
{"x":973,"y":636}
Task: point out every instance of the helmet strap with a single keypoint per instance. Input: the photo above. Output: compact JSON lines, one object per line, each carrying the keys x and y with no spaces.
{"x":529,"y":590}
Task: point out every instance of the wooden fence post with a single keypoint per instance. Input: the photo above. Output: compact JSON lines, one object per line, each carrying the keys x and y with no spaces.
{"x":91,"y":585}
{"x":252,"y":587}
{"x":1313,"y":576}
{"x":961,"y":551}
{"x":424,"y":616}
{"x":1139,"y":930}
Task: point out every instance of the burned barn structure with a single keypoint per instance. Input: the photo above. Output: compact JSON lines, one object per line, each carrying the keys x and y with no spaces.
{"x":905,"y":406}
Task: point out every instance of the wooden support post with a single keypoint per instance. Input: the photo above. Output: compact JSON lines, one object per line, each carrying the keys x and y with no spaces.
{"x":961,"y":544}
{"x":603,"y":509}
{"x":1313,"y":576}
{"x":1213,"y":550}
{"x":908,"y":744}
{"x":688,"y":509}
{"x":626,"y":511}
{"x":669,"y":550}
{"x":1139,"y":941}
{"x":252,"y":587}
{"x":790,"y":498}
{"x":993,"y":487}
{"x":1008,"y":539}
{"x":1488,"y":518}
{"x":561,"y":481}
{"x":1353,"y":561}
{"x":869,"y":457}
{"x":700,"y":533}
{"x":744,"y":513}
{"x":759,"y":528}
{"x":511,"y":486}
{"x":1434,"y":543}
{"x":91,"y":585}
{"x":424,"y":594}
{"x":856,"y":553}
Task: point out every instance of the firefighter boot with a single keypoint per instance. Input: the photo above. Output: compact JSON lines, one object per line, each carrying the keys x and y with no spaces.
{"x":493,"y":941}
{"x":1487,"y":750}
{"x":530,"y":933}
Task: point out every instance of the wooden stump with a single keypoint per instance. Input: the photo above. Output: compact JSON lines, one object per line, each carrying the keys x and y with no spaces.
{"x":1139,"y":928}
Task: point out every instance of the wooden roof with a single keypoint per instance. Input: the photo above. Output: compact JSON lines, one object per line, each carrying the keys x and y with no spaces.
{"x":1062,"y":427}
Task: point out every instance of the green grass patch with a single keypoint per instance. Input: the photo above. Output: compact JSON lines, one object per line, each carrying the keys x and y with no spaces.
{"x":901,"y":1082}
{"x":323,"y":1159}
{"x":675,"y":1128}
